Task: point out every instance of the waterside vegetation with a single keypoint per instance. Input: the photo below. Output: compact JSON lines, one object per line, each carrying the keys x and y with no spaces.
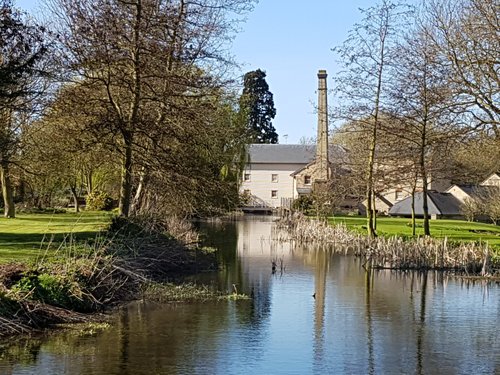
{"x":453,"y":230}
{"x":74,"y":277}
{"x":395,"y":251}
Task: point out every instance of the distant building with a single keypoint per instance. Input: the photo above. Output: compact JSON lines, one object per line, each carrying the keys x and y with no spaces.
{"x":469,"y":191}
{"x":492,"y":180}
{"x":397,"y":192}
{"x":275,"y":175}
{"x":440,"y":205}
{"x":447,"y":204}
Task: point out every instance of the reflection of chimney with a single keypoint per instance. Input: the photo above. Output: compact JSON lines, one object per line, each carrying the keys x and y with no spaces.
{"x":322,"y":142}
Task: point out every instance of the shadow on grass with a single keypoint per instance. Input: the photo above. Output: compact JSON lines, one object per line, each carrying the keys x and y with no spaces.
{"x":21,"y":246}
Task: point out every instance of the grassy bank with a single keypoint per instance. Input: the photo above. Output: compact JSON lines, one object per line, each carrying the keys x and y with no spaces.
{"x":30,"y":236}
{"x":86,"y":264}
{"x":454,"y":230}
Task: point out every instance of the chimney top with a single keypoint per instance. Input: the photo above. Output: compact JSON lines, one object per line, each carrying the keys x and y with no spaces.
{"x":322,"y":73}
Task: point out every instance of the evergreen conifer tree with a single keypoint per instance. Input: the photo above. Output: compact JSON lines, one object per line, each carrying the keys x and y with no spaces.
{"x":257,"y":104}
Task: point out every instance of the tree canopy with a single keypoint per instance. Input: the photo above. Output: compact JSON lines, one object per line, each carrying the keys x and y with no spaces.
{"x":22,"y":47}
{"x":257,"y":104}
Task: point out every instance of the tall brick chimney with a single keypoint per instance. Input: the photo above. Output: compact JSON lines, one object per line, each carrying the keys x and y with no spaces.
{"x":322,"y":141}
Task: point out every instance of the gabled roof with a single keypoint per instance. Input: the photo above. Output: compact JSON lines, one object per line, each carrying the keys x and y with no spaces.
{"x":476,"y":190}
{"x":494,"y":176}
{"x":288,"y":154}
{"x":439,"y":204}
{"x":484,"y":190}
{"x":468,"y":189}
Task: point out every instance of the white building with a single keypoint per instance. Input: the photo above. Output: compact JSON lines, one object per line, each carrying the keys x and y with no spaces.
{"x":468,"y":192}
{"x":267,"y":177}
{"x":277,"y":174}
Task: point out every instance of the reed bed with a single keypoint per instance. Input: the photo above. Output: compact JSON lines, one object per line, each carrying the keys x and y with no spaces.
{"x":422,"y":253}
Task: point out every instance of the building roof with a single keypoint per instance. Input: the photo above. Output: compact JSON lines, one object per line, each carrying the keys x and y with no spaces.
{"x":288,"y":154}
{"x":439,"y":204}
{"x":469,"y":189}
{"x":493,"y":176}
{"x":484,"y":190}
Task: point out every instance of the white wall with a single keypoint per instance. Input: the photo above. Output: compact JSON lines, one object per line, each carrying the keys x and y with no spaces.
{"x":493,"y":180}
{"x":261,"y":185}
{"x":458,"y":193}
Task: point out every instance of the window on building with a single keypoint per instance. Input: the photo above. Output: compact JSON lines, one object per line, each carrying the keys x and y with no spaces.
{"x":274,"y":193}
{"x":246,"y":177}
{"x":274,"y":177}
{"x":398,"y":194}
{"x":307,"y":180}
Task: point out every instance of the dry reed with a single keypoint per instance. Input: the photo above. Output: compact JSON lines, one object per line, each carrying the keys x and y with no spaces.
{"x":391,"y":252}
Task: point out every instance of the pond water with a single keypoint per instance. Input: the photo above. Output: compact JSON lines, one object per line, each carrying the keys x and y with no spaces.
{"x":321,"y":314}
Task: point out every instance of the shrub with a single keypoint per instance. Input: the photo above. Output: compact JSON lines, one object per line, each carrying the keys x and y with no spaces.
{"x":303,"y":203}
{"x":99,"y":201}
{"x":53,"y":289}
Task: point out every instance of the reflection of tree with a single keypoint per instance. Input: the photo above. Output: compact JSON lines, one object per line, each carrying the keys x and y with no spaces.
{"x":369,"y":277}
{"x":225,"y":238}
{"x":421,"y":323}
{"x":124,"y":341}
{"x":23,"y":352}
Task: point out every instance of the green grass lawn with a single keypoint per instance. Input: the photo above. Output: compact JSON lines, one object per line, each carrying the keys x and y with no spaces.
{"x":455,"y":230}
{"x":31,"y":235}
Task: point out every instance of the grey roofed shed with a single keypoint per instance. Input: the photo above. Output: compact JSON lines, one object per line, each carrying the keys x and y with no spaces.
{"x":440,"y":204}
{"x":289,"y":154}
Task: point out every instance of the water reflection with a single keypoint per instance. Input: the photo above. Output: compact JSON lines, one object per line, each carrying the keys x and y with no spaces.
{"x":323,"y":314}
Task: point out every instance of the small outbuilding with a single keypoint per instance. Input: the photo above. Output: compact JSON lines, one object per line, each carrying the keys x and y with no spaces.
{"x":441,"y":205}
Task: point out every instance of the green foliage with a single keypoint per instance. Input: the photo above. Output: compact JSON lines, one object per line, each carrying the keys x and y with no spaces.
{"x":99,"y":201}
{"x":257,"y":104}
{"x":303,"y":203}
{"x":245,"y":198}
{"x":48,"y":288}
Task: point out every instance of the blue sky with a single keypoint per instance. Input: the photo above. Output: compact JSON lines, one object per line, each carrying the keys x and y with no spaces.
{"x":290,"y":40}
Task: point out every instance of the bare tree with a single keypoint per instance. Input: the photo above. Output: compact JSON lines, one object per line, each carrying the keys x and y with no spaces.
{"x":423,"y":108}
{"x":467,"y":37}
{"x":143,"y":59}
{"x":366,"y":56}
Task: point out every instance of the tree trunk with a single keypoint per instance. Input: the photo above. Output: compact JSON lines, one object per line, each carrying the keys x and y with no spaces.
{"x":413,"y":221}
{"x":139,"y":194}
{"x":369,"y":185}
{"x":75,"y":198}
{"x":370,"y":188}
{"x":425,"y":207}
{"x":126,"y":184}
{"x":413,"y":218}
{"x":126,"y":176}
{"x":89,"y":181}
{"x":8,"y":195}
